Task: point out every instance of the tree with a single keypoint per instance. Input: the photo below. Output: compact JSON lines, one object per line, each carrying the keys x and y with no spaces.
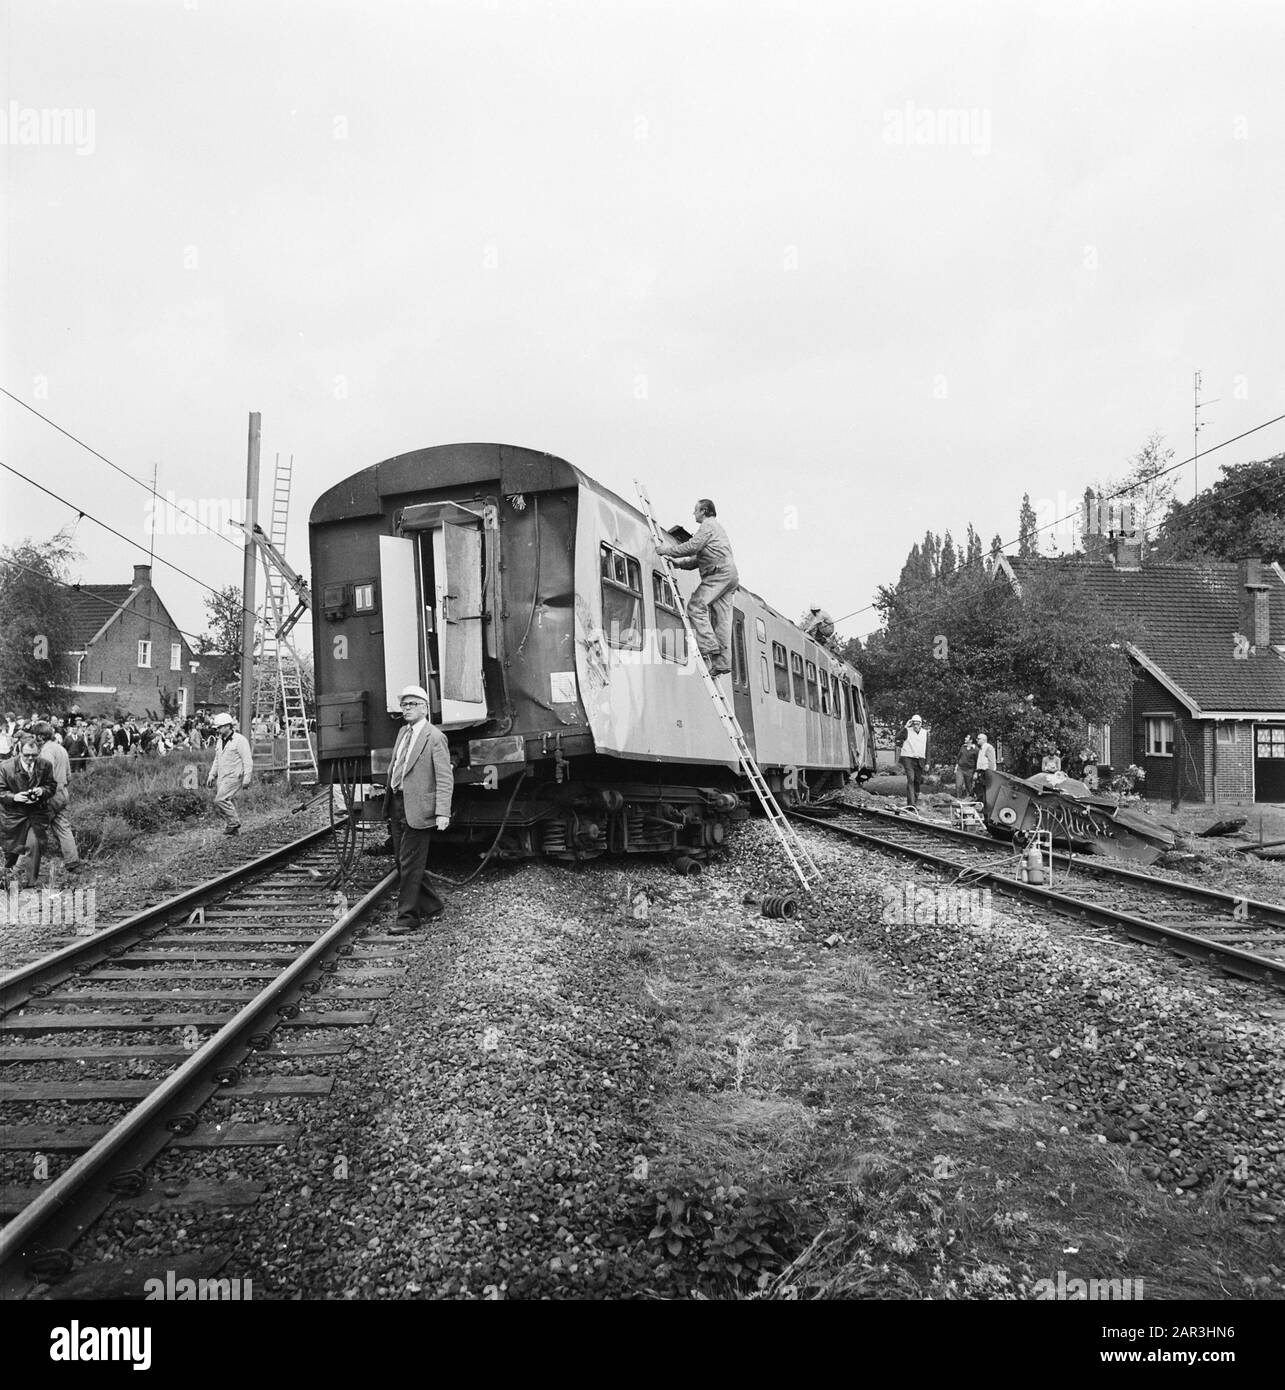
{"x":973,"y":554}
{"x":35,"y":621}
{"x":1028,"y":541}
{"x":1147,"y":488}
{"x":1242,"y":514}
{"x":969,"y":655}
{"x":946,"y":565}
{"x":220,"y":646}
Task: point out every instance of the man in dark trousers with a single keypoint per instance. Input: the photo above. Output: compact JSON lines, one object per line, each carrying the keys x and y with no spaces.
{"x":27,"y":788}
{"x":912,"y":744}
{"x":420,"y":783}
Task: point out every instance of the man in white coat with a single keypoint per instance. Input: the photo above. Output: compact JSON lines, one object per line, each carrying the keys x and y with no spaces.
{"x":231,"y":770}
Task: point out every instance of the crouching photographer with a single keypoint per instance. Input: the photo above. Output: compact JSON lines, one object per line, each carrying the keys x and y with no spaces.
{"x":27,"y":792}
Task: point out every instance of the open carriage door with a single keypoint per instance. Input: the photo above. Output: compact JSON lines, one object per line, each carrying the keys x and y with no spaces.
{"x":457,"y":568}
{"x":402,"y":634}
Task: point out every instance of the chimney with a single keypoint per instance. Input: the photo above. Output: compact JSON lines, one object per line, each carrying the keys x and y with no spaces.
{"x":142,"y":575}
{"x":1126,"y":552}
{"x":1253,"y":593}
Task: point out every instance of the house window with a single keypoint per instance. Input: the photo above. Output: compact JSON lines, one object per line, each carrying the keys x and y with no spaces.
{"x":363,"y":597}
{"x":782,"y":668}
{"x":1269,"y":741}
{"x":796,"y":672}
{"x":176,"y":656}
{"x":144,"y":654}
{"x":622,"y":605}
{"x":1158,"y":735}
{"x":1226,"y":732}
{"x":671,"y":635}
{"x":814,"y":698}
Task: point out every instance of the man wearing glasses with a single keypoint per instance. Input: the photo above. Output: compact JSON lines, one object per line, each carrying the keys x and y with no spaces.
{"x":420,"y":783}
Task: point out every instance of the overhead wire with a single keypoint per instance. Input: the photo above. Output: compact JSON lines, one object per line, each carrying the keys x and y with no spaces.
{"x":1119,"y":492}
{"x":169,"y":564}
{"x":935,"y":600}
{"x":124,"y":472}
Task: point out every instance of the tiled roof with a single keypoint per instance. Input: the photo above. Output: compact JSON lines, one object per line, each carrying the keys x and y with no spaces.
{"x":91,"y":606}
{"x":1185,"y":616}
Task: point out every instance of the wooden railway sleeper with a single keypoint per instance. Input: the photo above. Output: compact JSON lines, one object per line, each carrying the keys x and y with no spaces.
{"x":228,"y":1076}
{"x":182,"y":1123}
{"x":260,"y":1042}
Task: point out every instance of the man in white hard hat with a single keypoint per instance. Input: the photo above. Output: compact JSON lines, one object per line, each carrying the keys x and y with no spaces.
{"x":232,"y":769}
{"x":816,"y":622}
{"x":420,"y":783}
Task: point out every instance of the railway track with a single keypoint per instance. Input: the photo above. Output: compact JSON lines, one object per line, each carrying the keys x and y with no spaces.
{"x":111,"y":1047}
{"x":1239,"y":935}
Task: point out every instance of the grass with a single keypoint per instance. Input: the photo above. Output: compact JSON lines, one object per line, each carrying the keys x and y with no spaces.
{"x":116,"y":802}
{"x":913,"y":1160}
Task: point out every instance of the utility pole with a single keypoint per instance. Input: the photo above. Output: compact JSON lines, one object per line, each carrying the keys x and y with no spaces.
{"x":247,"y":575}
{"x":1195,"y":435}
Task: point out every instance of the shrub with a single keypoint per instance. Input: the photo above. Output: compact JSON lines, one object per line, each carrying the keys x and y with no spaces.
{"x":732,"y":1235}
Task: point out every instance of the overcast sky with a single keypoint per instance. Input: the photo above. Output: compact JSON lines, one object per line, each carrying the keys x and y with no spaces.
{"x":852,"y":270}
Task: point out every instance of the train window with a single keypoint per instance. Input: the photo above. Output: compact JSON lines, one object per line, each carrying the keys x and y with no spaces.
{"x":363,"y":597}
{"x":766,"y":674}
{"x":836,"y":701}
{"x":796,"y":671}
{"x":814,"y":698}
{"x":671,"y":636}
{"x":622,"y":600}
{"x":760,"y":629}
{"x":782,"y":671}
{"x":825,"y":693}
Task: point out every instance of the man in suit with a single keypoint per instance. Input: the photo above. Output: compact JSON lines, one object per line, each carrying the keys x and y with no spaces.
{"x":26,"y":789}
{"x":420,"y":783}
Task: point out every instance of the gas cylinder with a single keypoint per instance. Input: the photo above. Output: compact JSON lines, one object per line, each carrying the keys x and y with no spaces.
{"x":1033,"y":863}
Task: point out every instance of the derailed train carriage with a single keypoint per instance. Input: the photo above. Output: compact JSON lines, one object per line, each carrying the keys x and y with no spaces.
{"x":530,"y":603}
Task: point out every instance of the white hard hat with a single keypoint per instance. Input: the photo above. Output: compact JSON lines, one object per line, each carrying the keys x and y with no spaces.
{"x":220,"y":719}
{"x":414,"y":692}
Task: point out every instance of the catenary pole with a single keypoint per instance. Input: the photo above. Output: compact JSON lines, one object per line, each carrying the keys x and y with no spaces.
{"x":247,"y":575}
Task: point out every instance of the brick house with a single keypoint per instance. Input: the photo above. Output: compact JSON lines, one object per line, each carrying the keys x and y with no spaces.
{"x":1205,"y":718}
{"x":127,"y":653}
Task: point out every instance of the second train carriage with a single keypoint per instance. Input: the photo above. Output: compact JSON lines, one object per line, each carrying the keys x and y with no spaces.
{"x":529,"y":601}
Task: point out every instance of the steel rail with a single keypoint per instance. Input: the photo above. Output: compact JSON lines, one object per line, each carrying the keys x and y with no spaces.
{"x":63,"y":1210}
{"x":1229,"y":958}
{"x":17,"y":986}
{"x":1264,"y":912}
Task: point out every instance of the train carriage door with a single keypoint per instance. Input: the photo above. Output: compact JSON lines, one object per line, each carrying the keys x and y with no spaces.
{"x":401,"y":618}
{"x":741,"y":681}
{"x":457,"y":571}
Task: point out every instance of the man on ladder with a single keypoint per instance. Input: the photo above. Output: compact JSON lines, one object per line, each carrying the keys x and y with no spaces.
{"x":710,"y":551}
{"x":719,"y":580}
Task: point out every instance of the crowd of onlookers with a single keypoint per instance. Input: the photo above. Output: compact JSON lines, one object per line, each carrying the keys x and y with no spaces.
{"x":86,"y":738}
{"x":39,"y":753}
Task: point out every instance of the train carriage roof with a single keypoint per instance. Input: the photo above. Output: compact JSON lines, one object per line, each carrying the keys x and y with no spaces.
{"x":450,"y":465}
{"x":462,"y":465}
